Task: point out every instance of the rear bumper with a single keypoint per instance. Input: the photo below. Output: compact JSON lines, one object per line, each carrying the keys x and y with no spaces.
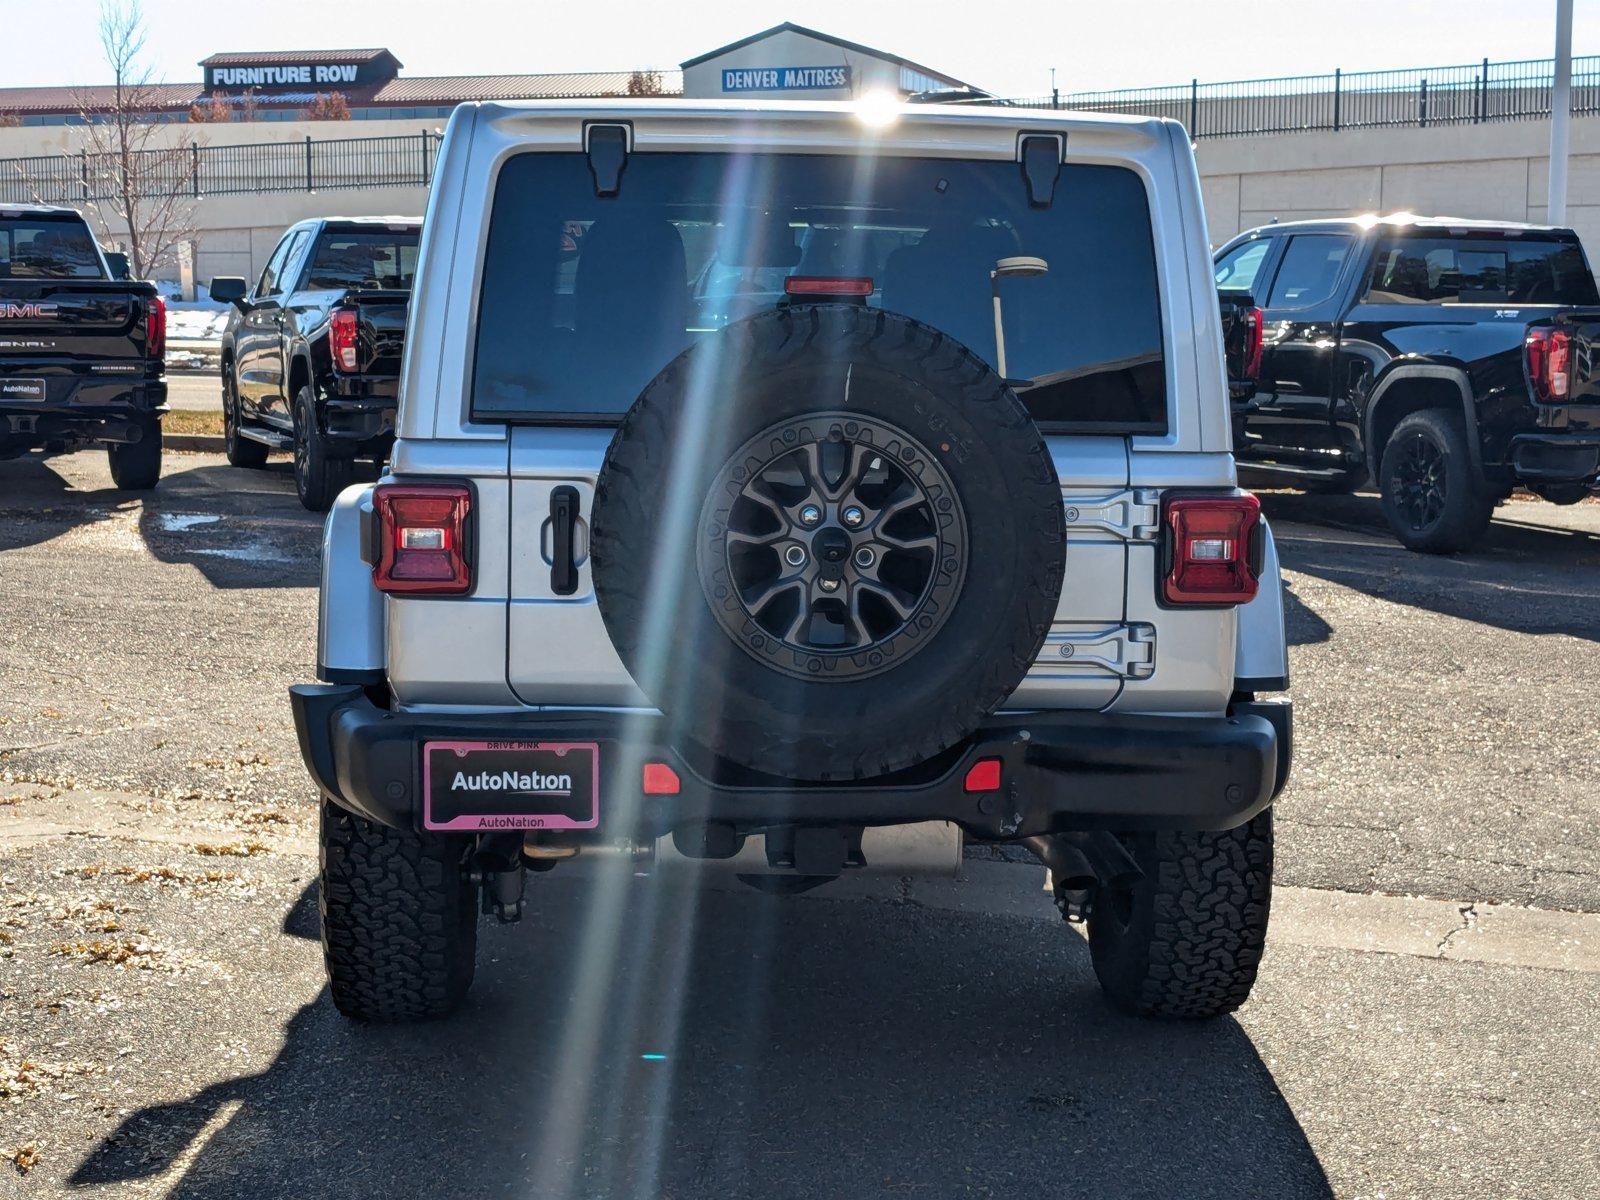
{"x":1556,"y":458}
{"x":1061,"y":771}
{"x":108,"y":411}
{"x":358,"y":414}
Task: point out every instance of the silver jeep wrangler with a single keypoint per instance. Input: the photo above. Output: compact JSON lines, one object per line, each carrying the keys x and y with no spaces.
{"x":767,"y":475}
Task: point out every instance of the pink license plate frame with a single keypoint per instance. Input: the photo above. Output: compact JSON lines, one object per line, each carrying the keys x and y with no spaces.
{"x":585,"y":753}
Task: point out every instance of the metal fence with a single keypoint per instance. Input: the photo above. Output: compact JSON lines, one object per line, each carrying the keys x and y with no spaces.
{"x":204,"y":170}
{"x":1422,"y":97}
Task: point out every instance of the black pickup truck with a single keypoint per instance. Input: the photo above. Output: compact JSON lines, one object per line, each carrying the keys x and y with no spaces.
{"x":1450,"y":360}
{"x":80,"y":351}
{"x":311,"y":354}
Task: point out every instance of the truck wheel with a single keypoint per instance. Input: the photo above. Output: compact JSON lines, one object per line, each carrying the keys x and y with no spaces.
{"x":1432,"y":496}
{"x":1186,"y":939}
{"x":1562,"y":493}
{"x":136,"y":466}
{"x":241,"y":451}
{"x":318,"y":476}
{"x":828,"y":541}
{"x":399,"y":919}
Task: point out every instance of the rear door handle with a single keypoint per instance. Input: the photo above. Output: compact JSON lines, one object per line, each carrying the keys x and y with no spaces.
{"x":563,"y":535}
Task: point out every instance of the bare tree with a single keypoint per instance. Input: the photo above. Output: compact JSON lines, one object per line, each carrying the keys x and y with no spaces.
{"x":644,"y":83}
{"x":330,"y":107}
{"x":142,"y":178}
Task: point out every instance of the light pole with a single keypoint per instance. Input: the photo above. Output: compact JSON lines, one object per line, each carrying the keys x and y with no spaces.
{"x":1020,"y":267}
{"x":1560,"y":115}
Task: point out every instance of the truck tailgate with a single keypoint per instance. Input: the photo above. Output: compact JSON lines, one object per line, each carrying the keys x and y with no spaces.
{"x":381,"y":331}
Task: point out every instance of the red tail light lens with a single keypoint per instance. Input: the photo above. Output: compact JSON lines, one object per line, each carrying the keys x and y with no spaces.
{"x":1254,"y":319}
{"x":660,"y":780}
{"x":155,"y":328}
{"x":1210,"y":543}
{"x":342,"y":340}
{"x":422,"y":535}
{"x":827,"y":285}
{"x":1549,"y":356}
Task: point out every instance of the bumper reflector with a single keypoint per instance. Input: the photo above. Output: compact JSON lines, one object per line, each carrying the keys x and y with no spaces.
{"x":660,"y":780}
{"x":984,"y":776}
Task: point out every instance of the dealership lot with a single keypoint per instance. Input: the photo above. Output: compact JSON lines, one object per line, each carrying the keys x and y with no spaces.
{"x":162,"y":976}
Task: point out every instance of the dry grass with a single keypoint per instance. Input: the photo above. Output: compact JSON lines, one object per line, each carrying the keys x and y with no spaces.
{"x":230,"y":849}
{"x":24,"y":1157}
{"x":189,"y":421}
{"x":122,"y":953}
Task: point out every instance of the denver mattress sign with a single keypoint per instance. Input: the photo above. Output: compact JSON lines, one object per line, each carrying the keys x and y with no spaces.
{"x":784,"y":79}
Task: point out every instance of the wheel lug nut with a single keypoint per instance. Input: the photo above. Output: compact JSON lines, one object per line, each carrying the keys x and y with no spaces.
{"x":794,"y":555}
{"x":851,"y":515}
{"x":828,"y":585}
{"x":865,"y":557}
{"x":810,"y":515}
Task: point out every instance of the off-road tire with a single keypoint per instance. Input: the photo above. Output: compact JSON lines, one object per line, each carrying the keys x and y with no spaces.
{"x":241,"y":451}
{"x":1468,"y":502}
{"x":790,"y":367}
{"x":1563,"y":493}
{"x":319,"y":476}
{"x":136,"y":466}
{"x":1186,"y":939}
{"x":399,"y":919}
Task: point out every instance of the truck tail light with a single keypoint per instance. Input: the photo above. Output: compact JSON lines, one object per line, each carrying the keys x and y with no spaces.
{"x":155,"y":328}
{"x":422,"y":538}
{"x":342,"y":340}
{"x":1211,"y":549}
{"x":1254,"y":320}
{"x":1549,"y":355}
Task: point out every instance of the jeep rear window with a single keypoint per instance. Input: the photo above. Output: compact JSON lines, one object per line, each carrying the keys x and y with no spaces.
{"x":585,"y":299}
{"x":47,"y":249}
{"x":1486,"y":269}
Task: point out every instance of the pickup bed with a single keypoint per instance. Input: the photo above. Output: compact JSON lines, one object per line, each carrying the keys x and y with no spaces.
{"x":311,"y":354}
{"x":1450,"y":360}
{"x":80,"y":352}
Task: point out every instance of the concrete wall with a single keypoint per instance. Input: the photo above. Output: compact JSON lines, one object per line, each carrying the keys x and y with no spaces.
{"x":1492,"y":171}
{"x":235,"y":234}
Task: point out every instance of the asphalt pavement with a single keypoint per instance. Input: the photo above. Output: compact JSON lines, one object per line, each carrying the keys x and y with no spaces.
{"x":1425,"y":1022}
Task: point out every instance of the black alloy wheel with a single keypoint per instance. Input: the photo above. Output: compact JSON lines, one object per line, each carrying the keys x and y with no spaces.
{"x":832,"y":535}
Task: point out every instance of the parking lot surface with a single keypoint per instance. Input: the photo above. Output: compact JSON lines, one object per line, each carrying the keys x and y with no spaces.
{"x":163,"y":1029}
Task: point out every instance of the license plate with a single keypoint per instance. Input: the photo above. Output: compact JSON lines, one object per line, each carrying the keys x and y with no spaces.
{"x":510,"y":785}
{"x":21,"y":389}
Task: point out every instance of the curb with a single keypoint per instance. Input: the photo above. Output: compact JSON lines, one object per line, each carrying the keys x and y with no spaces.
{"x":208,"y":443}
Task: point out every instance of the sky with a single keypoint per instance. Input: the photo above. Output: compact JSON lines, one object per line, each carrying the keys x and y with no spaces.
{"x":1006,"y":46}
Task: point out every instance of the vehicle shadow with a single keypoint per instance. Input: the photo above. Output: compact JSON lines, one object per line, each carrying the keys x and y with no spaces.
{"x":238,"y":528}
{"x":1525,"y":577}
{"x":693,"y":1043}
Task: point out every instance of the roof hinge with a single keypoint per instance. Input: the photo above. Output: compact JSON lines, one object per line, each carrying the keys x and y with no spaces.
{"x":1134,"y":514}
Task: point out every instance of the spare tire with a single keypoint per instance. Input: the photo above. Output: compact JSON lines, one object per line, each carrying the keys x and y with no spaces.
{"x":827,"y":542}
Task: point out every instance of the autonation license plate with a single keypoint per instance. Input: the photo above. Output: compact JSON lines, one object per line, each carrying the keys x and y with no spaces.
{"x":21,"y":389}
{"x":510,"y":785}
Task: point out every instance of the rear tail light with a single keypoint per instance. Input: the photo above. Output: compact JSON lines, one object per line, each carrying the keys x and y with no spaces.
{"x":422,"y":538}
{"x":342,"y":339}
{"x":828,"y":285}
{"x":1549,"y":357}
{"x":155,"y":328}
{"x":1254,"y":320}
{"x":1211,"y":549}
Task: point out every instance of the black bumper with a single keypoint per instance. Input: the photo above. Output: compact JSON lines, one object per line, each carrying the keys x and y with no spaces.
{"x":1556,"y":458}
{"x":1061,"y":771}
{"x":358,"y":412}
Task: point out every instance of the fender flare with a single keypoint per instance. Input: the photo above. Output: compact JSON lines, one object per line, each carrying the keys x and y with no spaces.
{"x":1411,"y":371}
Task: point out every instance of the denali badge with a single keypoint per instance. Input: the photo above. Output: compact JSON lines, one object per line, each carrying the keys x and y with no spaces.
{"x":31,"y":311}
